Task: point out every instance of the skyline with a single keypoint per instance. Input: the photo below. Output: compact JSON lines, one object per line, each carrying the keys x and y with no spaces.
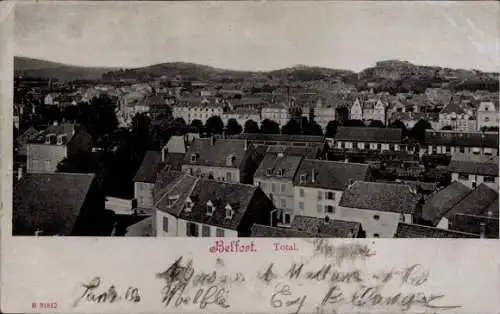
{"x":455,"y":35}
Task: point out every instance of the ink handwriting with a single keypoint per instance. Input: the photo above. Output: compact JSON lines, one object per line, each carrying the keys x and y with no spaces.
{"x":111,"y":295}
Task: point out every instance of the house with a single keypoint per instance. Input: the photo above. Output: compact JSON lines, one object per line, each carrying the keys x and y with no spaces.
{"x":368,"y":138}
{"x":368,"y":109}
{"x":241,"y":115}
{"x":405,"y":230}
{"x":191,"y":109}
{"x":473,"y":173}
{"x":195,"y":207}
{"x":319,"y":185}
{"x":323,"y":113}
{"x":487,"y":115}
{"x":275,"y":178}
{"x":479,"y":202}
{"x":218,"y":159}
{"x":409,"y":119}
{"x":277,"y":112}
{"x":310,"y":227}
{"x":379,"y":207}
{"x":457,"y":115}
{"x":55,"y":143}
{"x":22,"y":140}
{"x":441,"y":202}
{"x":157,"y":106}
{"x":64,"y":204}
{"x":145,"y":179}
{"x":284,"y":140}
{"x":356,"y":110}
{"x":485,"y":227}
{"x":48,"y":100}
{"x":460,"y":145}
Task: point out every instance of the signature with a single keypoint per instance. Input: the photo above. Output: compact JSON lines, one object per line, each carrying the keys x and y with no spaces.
{"x":110,"y":295}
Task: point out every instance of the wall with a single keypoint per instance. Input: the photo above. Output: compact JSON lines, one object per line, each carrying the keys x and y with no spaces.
{"x":182,"y":226}
{"x":44,"y":157}
{"x":219,"y":173}
{"x":143,"y":192}
{"x":311,"y":201}
{"x":385,"y":226}
{"x":158,"y":224}
{"x":280,"y":189}
{"x":468,"y":152}
{"x":474,"y":178}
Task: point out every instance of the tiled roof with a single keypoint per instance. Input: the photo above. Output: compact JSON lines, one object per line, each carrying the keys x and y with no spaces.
{"x":143,"y":228}
{"x":257,"y":137}
{"x":332,"y":228}
{"x":28,"y":135}
{"x":150,"y":166}
{"x":423,"y":186}
{"x":217,"y":152}
{"x":274,"y":163}
{"x":221,"y":194}
{"x":441,"y":202}
{"x":365,"y":134}
{"x":50,"y":202}
{"x":173,"y":160}
{"x":469,"y":139}
{"x":154,"y":101}
{"x":472,"y":224}
{"x":245,"y":101}
{"x":312,"y":150}
{"x":59,"y":129}
{"x":333,"y":175}
{"x":419,"y":231}
{"x":398,"y":198}
{"x":277,"y":232}
{"x":476,"y":203}
{"x":170,"y":185}
{"x":471,"y":167}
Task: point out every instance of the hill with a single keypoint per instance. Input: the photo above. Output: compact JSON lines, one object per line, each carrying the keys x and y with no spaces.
{"x":62,"y":72}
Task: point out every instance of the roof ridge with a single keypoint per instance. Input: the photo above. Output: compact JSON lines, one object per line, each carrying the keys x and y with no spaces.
{"x":445,"y":230}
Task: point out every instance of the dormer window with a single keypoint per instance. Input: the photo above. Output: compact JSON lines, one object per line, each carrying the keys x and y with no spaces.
{"x":269,"y":171}
{"x":188,"y":205}
{"x":303,"y":178}
{"x":231,"y":159}
{"x":194,"y":157}
{"x":49,"y":138}
{"x":61,"y":139}
{"x":229,"y":212}
{"x":210,"y":208}
{"x":172,"y":199}
{"x":279,"y":172}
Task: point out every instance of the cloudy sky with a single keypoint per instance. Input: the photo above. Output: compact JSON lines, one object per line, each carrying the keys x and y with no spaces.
{"x":261,"y":35}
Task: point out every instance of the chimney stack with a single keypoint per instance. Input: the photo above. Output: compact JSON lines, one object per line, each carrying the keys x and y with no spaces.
{"x":490,"y":214}
{"x":19,"y":173}
{"x":245,"y":145}
{"x":55,"y":123}
{"x":483,"y":230}
{"x":313,"y":175}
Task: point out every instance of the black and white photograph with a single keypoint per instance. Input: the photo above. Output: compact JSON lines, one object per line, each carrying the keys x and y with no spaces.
{"x":256,"y":119}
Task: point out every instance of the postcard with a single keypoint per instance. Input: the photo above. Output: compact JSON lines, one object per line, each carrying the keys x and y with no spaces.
{"x":256,"y":157}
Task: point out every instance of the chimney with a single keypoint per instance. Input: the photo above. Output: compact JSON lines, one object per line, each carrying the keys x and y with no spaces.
{"x":483,"y":230}
{"x":245,"y":145}
{"x":164,"y":152}
{"x":55,"y":123}
{"x":313,"y":175}
{"x":19,"y":173}
{"x":490,"y":214}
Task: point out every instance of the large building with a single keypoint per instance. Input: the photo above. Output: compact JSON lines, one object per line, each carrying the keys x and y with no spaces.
{"x":487,"y":115}
{"x":368,"y":138}
{"x":460,"y":145}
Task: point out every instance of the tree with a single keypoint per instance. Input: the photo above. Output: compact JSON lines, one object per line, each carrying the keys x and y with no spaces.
{"x":251,"y":127}
{"x":447,"y":128}
{"x":179,"y":126}
{"x":313,"y":128}
{"x":398,"y":125}
{"x":197,"y":125}
{"x":354,"y":123}
{"x":292,"y":127}
{"x":331,"y":129}
{"x":269,"y":127}
{"x":214,"y":125}
{"x":418,"y":130}
{"x":233,"y":127}
{"x":376,"y":124}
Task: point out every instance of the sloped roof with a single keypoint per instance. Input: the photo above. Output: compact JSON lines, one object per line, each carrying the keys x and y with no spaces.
{"x":28,"y":135}
{"x":172,"y":184}
{"x":221,"y":194}
{"x":332,"y":228}
{"x":418,"y":231}
{"x":173,"y":160}
{"x":471,"y":167}
{"x":275,"y":162}
{"x":365,"y":134}
{"x":441,"y":202}
{"x":143,"y":228}
{"x":278,"y":232}
{"x":150,"y":166}
{"x":216,"y":153}
{"x":59,"y":129}
{"x":259,"y":137}
{"x":176,"y":144}
{"x":475,"y":203}
{"x":470,"y":139}
{"x":333,"y":175}
{"x":387,"y":197}
{"x":472,"y":224}
{"x":50,"y":202}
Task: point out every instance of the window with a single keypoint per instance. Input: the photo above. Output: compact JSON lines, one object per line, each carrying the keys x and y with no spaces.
{"x":283,"y":203}
{"x":330,"y":196}
{"x":210,"y":208}
{"x":191,"y":229}
{"x":229,"y":212}
{"x":462,"y":150}
{"x":287,"y":219}
{"x":376,"y":235}
{"x":379,"y":146}
{"x":402,"y":218}
{"x":391,"y":147}
{"x":301,"y":192}
{"x":283,"y":188}
{"x":219,"y":233}
{"x":319,"y":208}
{"x":330,"y":209}
{"x":367,"y":146}
{"x":229,"y":176}
{"x":194,"y":157}
{"x":303,"y":178}
{"x":273,"y":187}
{"x":279,"y":172}
{"x":320,"y":195}
{"x":269,"y":171}
{"x":263,"y":186}
{"x":376,"y":217}
{"x":463,"y":176}
{"x":165,"y":224}
{"x":486,"y":119}
{"x":301,"y":205}
{"x":489,"y":179}
{"x":205,"y":231}
{"x":448,"y":149}
{"x":342,"y":145}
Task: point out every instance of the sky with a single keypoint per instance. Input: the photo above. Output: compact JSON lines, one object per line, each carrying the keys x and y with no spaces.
{"x":261,"y":35}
